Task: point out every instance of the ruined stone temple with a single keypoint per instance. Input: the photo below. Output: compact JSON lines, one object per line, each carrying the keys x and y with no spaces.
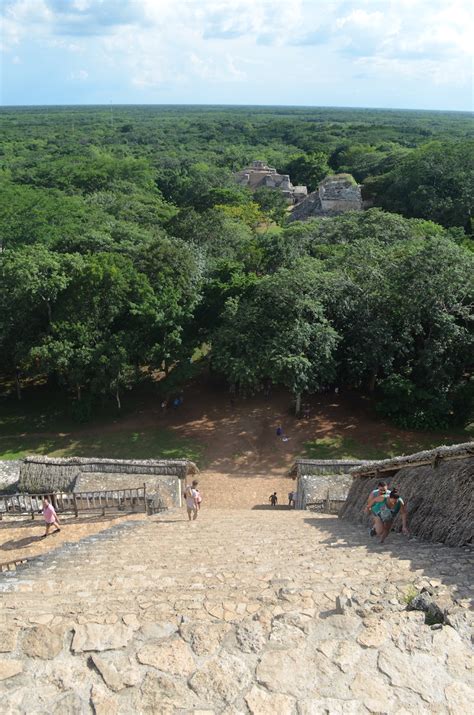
{"x":260,"y":175}
{"x":335,"y":195}
{"x":249,"y":610}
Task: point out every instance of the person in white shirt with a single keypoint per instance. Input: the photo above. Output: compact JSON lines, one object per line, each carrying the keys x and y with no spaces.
{"x":191,"y":494}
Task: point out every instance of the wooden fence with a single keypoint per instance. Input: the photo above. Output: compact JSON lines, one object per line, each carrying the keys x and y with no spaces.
{"x":121,"y":500}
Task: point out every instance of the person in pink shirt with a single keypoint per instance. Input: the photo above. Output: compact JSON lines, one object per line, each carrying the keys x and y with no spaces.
{"x":50,"y":517}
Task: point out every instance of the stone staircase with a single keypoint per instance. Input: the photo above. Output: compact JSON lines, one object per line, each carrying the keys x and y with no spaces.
{"x":241,"y":490}
{"x":243,"y":611}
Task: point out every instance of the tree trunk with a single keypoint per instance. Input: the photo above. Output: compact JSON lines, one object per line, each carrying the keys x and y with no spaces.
{"x":298,"y":404}
{"x":79,"y":394}
{"x":18,"y":384}
{"x":117,"y":397}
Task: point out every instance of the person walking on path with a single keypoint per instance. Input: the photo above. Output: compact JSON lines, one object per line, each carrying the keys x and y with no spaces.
{"x":191,"y":495}
{"x":391,"y":505}
{"x":273,"y":499}
{"x":374,"y":504}
{"x":50,"y":517}
{"x":291,"y":498}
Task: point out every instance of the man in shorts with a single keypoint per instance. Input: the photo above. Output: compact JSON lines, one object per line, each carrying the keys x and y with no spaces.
{"x":375,"y":502}
{"x":391,"y":506}
{"x":191,"y":494}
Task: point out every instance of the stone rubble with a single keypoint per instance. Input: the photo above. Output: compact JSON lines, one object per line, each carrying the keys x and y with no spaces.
{"x":242,"y":612}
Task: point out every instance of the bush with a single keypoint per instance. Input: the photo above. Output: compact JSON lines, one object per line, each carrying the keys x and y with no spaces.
{"x":413,"y":407}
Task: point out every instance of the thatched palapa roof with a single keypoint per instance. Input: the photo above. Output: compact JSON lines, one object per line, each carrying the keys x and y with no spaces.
{"x":427,"y":457}
{"x":48,"y":474}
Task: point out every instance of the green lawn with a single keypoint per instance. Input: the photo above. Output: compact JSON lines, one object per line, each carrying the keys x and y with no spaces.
{"x":341,"y":447}
{"x":146,"y":444}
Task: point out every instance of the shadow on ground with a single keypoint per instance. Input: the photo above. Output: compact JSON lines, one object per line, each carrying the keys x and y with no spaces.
{"x":451,"y":565}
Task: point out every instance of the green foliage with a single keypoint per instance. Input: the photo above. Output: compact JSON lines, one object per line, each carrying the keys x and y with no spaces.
{"x":435,"y":181}
{"x":272,"y":203}
{"x":308,"y":169}
{"x":278,"y":332}
{"x":125,"y":247}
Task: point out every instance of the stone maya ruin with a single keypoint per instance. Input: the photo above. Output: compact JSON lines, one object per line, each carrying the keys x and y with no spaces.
{"x":292,"y":611}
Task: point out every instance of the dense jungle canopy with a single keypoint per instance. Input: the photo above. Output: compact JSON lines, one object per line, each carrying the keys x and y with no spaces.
{"x":126,"y":246}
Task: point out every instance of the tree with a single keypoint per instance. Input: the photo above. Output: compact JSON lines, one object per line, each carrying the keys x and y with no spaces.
{"x":308,"y":169}
{"x":272,"y":202}
{"x":278,"y":333}
{"x":435,"y":182}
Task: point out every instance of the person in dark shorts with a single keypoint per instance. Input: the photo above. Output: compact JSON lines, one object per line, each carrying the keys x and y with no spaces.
{"x":386,"y":516}
{"x":273,"y":499}
{"x":374,"y":504}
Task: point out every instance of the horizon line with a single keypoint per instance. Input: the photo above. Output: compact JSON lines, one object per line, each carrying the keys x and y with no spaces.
{"x":236,"y":106}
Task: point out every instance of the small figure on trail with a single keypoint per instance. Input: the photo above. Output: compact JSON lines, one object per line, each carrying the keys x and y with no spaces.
{"x":163,"y":406}
{"x":290,"y":498}
{"x":279,"y":431}
{"x":375,"y":501}
{"x":50,"y":517}
{"x":273,"y":499}
{"x":191,"y":494}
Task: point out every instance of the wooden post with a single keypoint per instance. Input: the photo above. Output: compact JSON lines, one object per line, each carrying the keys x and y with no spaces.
{"x":328,"y":503}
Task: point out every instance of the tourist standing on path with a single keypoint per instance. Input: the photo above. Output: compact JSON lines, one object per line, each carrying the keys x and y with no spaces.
{"x":374,"y":504}
{"x":192,"y":505}
{"x":50,"y":517}
{"x":390,"y":507}
{"x":290,"y":498}
{"x":273,"y":499}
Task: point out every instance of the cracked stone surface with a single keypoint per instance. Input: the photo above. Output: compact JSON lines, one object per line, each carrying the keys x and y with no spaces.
{"x":236,"y":614}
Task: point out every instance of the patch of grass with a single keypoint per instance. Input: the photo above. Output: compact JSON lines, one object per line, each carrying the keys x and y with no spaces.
{"x":149,"y":443}
{"x":410,"y":594}
{"x":340,"y":447}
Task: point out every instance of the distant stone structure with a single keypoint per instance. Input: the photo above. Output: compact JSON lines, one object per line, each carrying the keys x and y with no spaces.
{"x":320,"y":480}
{"x":335,"y":195}
{"x":260,"y":175}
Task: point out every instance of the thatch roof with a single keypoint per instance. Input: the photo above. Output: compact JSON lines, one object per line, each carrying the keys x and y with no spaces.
{"x":304,"y":466}
{"x":439,"y":495}
{"x":48,"y":474}
{"x":427,"y":457}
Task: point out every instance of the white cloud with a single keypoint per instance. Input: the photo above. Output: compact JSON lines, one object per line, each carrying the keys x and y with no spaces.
{"x":149,"y":44}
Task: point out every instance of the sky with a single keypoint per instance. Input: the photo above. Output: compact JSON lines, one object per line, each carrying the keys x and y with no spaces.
{"x":413,"y":54}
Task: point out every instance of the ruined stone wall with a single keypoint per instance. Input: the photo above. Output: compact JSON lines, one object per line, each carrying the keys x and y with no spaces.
{"x":340,"y":205}
{"x":9,"y":475}
{"x":320,"y":487}
{"x":440,"y":500}
{"x":320,"y":479}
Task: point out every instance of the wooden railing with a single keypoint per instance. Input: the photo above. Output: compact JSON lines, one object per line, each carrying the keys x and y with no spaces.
{"x":122,"y":500}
